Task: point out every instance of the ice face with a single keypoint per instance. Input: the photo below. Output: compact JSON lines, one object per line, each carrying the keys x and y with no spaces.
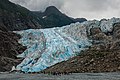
{"x":46,"y":47}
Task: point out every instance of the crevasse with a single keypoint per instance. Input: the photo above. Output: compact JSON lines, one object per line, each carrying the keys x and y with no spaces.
{"x":46,"y":47}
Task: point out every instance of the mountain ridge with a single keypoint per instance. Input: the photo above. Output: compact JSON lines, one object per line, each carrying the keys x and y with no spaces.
{"x":15,"y":17}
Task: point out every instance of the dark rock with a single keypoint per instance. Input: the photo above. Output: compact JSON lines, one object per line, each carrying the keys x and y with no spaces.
{"x":9,"y":49}
{"x":116,"y":31}
{"x":116,"y":36}
{"x":94,"y":31}
{"x":80,"y":20}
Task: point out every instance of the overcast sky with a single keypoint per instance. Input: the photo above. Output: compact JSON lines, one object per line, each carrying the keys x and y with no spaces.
{"x":90,"y":9}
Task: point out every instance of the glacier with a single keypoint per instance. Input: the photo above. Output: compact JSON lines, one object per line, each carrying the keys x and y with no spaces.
{"x":46,"y":47}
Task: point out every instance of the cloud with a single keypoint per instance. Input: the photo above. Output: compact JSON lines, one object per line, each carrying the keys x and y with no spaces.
{"x":39,"y":4}
{"x":20,"y":1}
{"x":90,"y":9}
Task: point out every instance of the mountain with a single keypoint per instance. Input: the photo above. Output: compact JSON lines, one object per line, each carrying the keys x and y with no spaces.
{"x":94,"y":41}
{"x":15,"y":17}
{"x":52,"y":17}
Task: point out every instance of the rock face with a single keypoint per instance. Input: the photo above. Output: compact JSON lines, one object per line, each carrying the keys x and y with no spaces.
{"x":9,"y":49}
{"x":15,"y":17}
{"x":46,"y":47}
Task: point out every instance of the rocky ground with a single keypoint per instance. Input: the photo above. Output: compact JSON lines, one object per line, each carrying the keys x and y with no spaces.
{"x":9,"y":49}
{"x":88,"y":61}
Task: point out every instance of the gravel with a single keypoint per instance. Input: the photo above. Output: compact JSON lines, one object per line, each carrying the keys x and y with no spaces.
{"x":74,"y":76}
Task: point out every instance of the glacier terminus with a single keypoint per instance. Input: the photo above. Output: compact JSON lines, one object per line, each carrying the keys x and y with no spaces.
{"x":46,"y":47}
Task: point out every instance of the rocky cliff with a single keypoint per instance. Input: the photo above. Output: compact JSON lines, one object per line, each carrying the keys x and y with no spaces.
{"x":9,"y":49}
{"x":16,"y":17}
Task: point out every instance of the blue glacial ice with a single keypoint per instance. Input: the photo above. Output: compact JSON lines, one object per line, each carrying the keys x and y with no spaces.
{"x":46,"y":47}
